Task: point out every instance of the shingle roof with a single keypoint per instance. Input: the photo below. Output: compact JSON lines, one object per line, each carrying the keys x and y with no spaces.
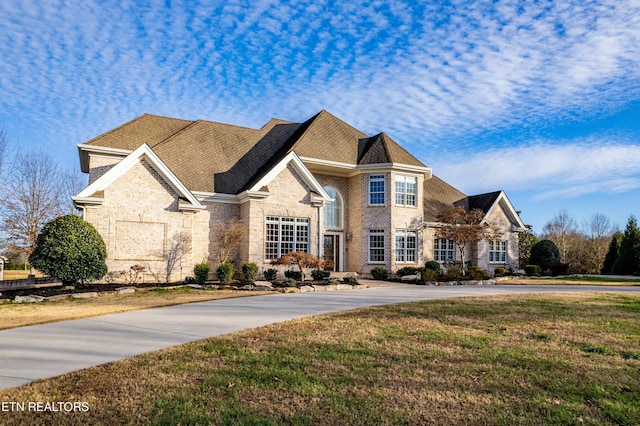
{"x":147,"y":128}
{"x":438,"y":197}
{"x":215,"y":157}
{"x":483,"y":202}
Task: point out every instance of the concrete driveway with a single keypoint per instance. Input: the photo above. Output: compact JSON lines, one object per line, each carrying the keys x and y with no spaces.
{"x":43,"y":351}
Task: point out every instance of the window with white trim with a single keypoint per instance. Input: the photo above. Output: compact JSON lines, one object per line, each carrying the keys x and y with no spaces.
{"x":376,"y":190}
{"x":497,"y":251}
{"x":286,"y":234}
{"x":333,"y":210}
{"x":406,"y":246}
{"x":376,"y":245}
{"x":443,"y":250}
{"x":406,"y":191}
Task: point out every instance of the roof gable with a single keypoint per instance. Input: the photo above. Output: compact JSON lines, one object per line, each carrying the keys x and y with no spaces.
{"x":94,"y":192}
{"x":304,"y":173}
{"x":210,"y":157}
{"x":500,"y":200}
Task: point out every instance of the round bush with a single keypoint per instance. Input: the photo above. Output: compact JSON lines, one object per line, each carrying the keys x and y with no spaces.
{"x":380,"y":273}
{"x":201,"y":272}
{"x":295,"y":275}
{"x":433,"y":265}
{"x":250,"y":271}
{"x":319,"y":274}
{"x":70,"y":249}
{"x":270,"y":274}
{"x":225,"y":272}
{"x":532,"y":270}
{"x":407,"y":270}
{"x":544,"y":254}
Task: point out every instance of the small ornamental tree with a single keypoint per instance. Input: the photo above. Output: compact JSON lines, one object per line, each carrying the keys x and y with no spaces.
{"x":466,"y":228}
{"x":70,"y":249}
{"x":544,"y":254}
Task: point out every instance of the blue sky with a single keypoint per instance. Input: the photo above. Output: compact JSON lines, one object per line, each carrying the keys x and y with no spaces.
{"x":541,"y":99}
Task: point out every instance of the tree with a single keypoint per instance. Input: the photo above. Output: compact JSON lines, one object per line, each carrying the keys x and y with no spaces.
{"x":592,"y":250}
{"x":72,"y":181}
{"x":612,"y":253}
{"x":563,"y":231}
{"x":227,"y":237}
{"x":544,"y":254}
{"x":526,"y":240}
{"x":628,"y":260}
{"x":466,"y":228}
{"x":179,"y":247}
{"x":31,"y":199}
{"x":70,"y":249}
{"x":3,"y":149}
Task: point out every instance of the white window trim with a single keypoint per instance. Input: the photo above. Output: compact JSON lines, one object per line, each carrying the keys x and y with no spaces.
{"x":376,"y":232}
{"x":339,"y":199}
{"x":449,"y":243}
{"x":377,"y":178}
{"x":298,"y":222}
{"x":405,"y":233}
{"x":501,"y":251}
{"x":405,"y":194}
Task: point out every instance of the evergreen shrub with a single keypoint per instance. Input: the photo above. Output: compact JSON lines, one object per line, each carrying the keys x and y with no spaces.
{"x":225,"y":272}
{"x":380,"y":273}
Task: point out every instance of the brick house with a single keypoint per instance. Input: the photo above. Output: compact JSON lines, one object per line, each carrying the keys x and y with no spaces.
{"x":320,"y":186}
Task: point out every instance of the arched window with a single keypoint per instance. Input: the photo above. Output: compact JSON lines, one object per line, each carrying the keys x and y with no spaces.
{"x":333,"y":211}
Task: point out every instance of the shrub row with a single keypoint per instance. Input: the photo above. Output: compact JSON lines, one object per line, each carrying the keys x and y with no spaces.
{"x":432,"y":271}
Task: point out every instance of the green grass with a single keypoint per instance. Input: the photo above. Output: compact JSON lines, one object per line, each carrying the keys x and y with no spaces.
{"x":598,"y":280}
{"x":526,"y":360}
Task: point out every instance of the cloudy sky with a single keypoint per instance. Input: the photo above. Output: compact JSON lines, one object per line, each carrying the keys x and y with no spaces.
{"x":539,"y":98}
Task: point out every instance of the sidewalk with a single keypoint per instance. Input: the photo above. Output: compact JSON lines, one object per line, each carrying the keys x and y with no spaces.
{"x":48,"y":350}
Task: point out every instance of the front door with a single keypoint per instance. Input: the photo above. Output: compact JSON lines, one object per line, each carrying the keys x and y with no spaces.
{"x":332,"y":250}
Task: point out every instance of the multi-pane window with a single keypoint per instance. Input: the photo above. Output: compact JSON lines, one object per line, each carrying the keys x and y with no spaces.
{"x":376,"y":190}
{"x":497,"y":251}
{"x":406,"y":191}
{"x":443,"y":249}
{"x":333,"y":210}
{"x":286,"y":234}
{"x":406,"y":245}
{"x":376,"y":245}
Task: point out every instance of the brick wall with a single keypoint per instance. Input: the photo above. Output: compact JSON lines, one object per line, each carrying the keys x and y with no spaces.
{"x":139,"y":220}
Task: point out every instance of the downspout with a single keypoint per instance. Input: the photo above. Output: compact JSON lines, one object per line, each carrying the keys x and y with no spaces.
{"x":319,"y":236}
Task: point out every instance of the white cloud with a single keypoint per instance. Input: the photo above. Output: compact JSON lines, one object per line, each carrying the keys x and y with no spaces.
{"x":549,"y":170}
{"x":419,"y":71}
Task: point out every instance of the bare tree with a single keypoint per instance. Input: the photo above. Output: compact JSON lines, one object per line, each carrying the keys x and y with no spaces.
{"x":563,"y":231}
{"x":227,"y":237}
{"x":72,"y":182}
{"x":597,"y":236}
{"x":31,"y":199}
{"x":3,"y":149}
{"x":598,"y":226}
{"x":179,"y":247}
{"x":466,"y":228}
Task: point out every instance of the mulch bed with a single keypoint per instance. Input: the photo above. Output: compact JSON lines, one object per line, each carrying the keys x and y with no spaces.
{"x":78,"y":288}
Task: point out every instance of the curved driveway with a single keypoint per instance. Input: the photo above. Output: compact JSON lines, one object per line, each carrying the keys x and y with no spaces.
{"x":49,"y":350}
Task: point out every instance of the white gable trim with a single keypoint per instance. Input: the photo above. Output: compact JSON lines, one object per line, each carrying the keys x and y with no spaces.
{"x":506,"y":205}
{"x":84,"y":151}
{"x":295,"y":161}
{"x":143,"y":152}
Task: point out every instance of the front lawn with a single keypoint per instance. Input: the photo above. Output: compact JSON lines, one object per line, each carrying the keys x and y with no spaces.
{"x":525,"y":359}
